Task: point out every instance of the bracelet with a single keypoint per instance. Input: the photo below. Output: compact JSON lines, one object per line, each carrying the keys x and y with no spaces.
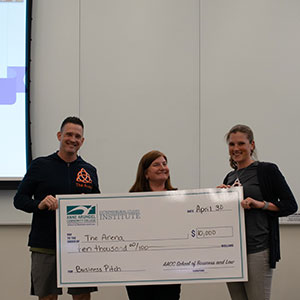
{"x":265,"y":207}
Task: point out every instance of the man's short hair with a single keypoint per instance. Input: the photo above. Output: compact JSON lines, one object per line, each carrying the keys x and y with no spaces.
{"x":73,"y":120}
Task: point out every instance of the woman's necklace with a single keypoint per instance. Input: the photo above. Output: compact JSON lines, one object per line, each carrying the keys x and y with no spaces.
{"x":237,"y":181}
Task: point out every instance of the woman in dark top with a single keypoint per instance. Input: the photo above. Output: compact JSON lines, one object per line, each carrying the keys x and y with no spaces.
{"x":153,"y":175}
{"x":267,"y":196}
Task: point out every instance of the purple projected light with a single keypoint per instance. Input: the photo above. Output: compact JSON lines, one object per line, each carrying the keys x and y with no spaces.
{"x":14,"y":83}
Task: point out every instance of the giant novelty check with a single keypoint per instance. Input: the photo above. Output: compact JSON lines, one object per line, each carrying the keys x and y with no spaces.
{"x":151,"y":238}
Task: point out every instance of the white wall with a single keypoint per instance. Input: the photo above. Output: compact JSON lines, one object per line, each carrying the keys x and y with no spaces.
{"x":165,"y":74}
{"x":139,"y":87}
{"x":250,"y":70}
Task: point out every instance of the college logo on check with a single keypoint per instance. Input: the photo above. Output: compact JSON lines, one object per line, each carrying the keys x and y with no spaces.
{"x":81,"y":210}
{"x":78,"y":215}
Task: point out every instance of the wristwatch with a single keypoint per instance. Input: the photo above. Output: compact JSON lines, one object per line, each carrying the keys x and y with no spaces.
{"x":265,"y":207}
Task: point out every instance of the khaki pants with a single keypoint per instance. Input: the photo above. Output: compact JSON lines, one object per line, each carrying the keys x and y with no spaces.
{"x":259,"y":282}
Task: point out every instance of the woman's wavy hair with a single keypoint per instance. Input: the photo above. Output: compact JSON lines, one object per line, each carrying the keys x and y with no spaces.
{"x":141,"y":183}
{"x":250,"y":136}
